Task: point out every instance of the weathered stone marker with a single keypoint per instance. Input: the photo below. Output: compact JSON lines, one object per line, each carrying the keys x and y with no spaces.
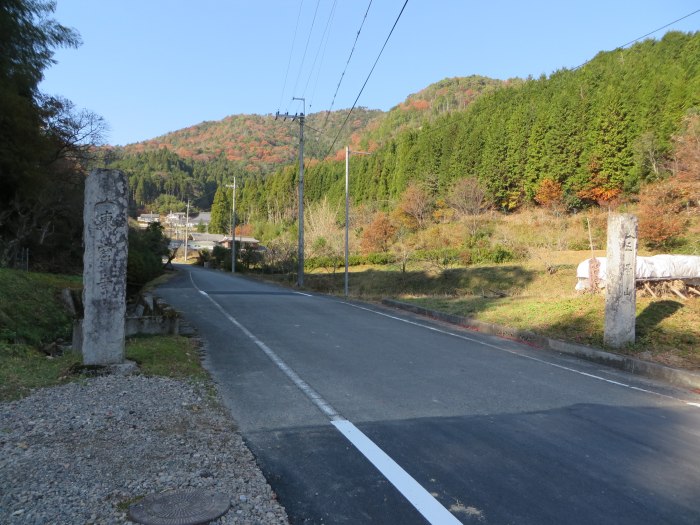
{"x":104,"y":274}
{"x":621,"y":296}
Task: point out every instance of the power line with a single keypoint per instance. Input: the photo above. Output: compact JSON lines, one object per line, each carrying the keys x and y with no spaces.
{"x":347,"y":63}
{"x":322,"y":45}
{"x":306,"y":48}
{"x":291,"y":52}
{"x":367,"y":79}
{"x":644,"y":36}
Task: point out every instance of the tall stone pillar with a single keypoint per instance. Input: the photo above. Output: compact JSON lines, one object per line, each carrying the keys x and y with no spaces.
{"x":105,"y":237}
{"x":621,"y":297}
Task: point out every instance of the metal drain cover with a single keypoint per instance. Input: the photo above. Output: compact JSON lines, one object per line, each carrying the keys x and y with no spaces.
{"x":181,"y":507}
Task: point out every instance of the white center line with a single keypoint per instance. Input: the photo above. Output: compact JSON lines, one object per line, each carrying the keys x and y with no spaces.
{"x":424,"y":502}
{"x":421,"y":499}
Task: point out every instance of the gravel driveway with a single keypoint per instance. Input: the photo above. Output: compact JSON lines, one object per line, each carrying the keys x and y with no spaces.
{"x":83,"y":452}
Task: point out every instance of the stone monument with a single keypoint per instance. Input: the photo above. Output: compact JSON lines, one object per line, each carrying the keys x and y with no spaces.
{"x":621,"y":294}
{"x":105,"y":236}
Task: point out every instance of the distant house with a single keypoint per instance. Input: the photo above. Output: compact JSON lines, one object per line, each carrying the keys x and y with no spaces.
{"x":242,"y":241}
{"x":176,"y":219}
{"x":147,"y":218}
{"x":204,"y":241}
{"x":207,"y":241}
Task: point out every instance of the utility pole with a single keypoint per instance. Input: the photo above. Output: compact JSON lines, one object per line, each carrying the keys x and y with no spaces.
{"x":233,"y":224}
{"x":300,"y":253}
{"x":347,"y":210}
{"x":187,"y":222}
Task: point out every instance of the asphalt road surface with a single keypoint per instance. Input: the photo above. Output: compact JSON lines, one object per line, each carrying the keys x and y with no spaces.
{"x":360,"y":414}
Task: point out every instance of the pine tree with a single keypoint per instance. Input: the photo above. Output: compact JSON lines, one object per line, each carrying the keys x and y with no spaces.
{"x":221,"y":211}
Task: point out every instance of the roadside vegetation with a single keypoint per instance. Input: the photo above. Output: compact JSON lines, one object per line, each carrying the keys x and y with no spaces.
{"x":35,"y":334}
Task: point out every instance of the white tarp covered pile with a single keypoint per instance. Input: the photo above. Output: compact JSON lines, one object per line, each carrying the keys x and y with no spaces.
{"x":685,"y":268}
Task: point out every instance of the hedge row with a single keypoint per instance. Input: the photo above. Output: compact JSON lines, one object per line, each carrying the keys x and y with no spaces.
{"x":442,"y":257}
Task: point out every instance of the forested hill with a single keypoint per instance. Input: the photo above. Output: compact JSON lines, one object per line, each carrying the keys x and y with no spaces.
{"x":166,"y":171}
{"x":257,"y":143}
{"x":589,"y":135}
{"x":446,"y":96}
{"x":260,"y":143}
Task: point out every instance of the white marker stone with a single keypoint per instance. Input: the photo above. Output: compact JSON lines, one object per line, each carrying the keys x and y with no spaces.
{"x":104,"y":273}
{"x":621,"y":296}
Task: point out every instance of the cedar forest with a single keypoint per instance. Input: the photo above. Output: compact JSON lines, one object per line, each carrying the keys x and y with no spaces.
{"x":620,"y":132}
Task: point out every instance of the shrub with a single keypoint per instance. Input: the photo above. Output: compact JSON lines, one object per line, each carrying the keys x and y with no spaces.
{"x":221,"y":258}
{"x":380,"y":258}
{"x":146,"y":251}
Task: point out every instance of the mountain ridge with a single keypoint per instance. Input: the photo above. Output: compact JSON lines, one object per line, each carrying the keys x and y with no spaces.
{"x":261,"y":143}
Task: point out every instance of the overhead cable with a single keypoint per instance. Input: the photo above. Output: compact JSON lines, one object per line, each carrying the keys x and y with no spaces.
{"x":455,"y":121}
{"x":357,"y":36}
{"x":322,"y":45}
{"x":623,"y":46}
{"x":291,"y":51}
{"x":306,"y":48}
{"x":367,"y":79}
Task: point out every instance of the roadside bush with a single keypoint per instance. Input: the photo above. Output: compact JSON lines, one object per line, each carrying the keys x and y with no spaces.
{"x":280,"y":257}
{"x":380,"y":258}
{"x":329,"y":262}
{"x":357,"y":260}
{"x":220,"y":258}
{"x":204,"y":258}
{"x":146,"y":251}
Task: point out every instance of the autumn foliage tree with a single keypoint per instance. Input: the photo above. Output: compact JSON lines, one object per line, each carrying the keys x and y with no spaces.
{"x":665,"y":207}
{"x":550,"y":194}
{"x":377,"y":236}
{"x":415,"y":207}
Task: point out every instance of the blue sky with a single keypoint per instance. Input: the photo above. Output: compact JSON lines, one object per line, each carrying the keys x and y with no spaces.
{"x":154,"y":66}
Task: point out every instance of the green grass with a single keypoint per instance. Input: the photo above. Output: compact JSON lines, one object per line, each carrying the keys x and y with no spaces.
{"x":23,"y":368}
{"x":31,"y":315}
{"x":170,"y":356}
{"x":666,"y":329}
{"x":30,"y":310}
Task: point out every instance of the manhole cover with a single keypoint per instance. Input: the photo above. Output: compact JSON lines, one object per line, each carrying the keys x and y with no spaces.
{"x":182,"y":507}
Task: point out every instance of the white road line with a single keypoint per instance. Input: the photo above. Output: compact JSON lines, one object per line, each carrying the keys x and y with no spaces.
{"x":421,"y":499}
{"x":431,"y":509}
{"x":524,"y":356}
{"x":314,"y":396}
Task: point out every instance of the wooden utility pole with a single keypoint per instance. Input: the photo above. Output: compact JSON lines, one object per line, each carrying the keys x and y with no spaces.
{"x":347,"y":210}
{"x":300,"y":252}
{"x":233,"y":224}
{"x":187,"y":223}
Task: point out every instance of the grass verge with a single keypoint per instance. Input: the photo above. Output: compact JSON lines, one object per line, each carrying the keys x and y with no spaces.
{"x":23,"y":368}
{"x":32,"y":315}
{"x":169,"y":356}
{"x":30,"y":308}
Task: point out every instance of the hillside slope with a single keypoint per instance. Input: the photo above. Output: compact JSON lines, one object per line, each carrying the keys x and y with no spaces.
{"x":261,"y":143}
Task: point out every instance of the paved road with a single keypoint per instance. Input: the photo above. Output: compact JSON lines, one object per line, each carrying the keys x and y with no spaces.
{"x":359,"y":414}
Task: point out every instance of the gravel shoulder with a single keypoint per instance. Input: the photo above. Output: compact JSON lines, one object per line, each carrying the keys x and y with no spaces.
{"x":83,"y":452}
